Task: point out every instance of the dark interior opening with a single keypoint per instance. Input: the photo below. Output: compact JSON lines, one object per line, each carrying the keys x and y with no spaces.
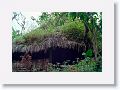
{"x":54,"y":55}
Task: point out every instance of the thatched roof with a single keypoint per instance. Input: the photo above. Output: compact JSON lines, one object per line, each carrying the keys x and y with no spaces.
{"x":56,"y":40}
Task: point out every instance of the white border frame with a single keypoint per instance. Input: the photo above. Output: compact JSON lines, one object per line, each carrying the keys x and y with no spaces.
{"x":104,"y":77}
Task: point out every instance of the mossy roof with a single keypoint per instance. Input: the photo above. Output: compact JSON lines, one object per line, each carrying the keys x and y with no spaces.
{"x":49,"y":42}
{"x":68,"y":36}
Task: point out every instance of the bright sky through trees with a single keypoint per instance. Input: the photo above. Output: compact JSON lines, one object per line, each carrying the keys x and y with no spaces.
{"x":30,"y":24}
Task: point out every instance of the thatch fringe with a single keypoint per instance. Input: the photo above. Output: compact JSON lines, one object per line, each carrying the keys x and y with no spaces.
{"x":52,"y":41}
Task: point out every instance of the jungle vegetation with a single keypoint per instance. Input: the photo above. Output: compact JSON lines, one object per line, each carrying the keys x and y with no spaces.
{"x":72,"y":31}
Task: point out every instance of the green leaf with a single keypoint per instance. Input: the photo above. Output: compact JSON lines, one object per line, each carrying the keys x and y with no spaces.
{"x":89,"y":53}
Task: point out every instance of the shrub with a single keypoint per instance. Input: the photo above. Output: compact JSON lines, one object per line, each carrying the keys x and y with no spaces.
{"x":73,"y":30}
{"x":89,"y":53}
{"x":80,"y":66}
{"x":86,"y":66}
{"x":19,"y":40}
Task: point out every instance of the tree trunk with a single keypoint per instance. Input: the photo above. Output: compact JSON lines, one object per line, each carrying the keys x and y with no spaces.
{"x":94,"y":41}
{"x":85,"y":34}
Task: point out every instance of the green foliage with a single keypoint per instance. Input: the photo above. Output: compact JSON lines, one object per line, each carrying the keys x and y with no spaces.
{"x":73,"y":26}
{"x":86,"y":66}
{"x":14,"y":33}
{"x":73,"y":30}
{"x":19,"y":40}
{"x":38,"y":35}
{"x":90,"y":35}
{"x":44,"y":16}
{"x":72,"y":15}
{"x":81,"y":66}
{"x":89,"y":53}
{"x":99,"y":63}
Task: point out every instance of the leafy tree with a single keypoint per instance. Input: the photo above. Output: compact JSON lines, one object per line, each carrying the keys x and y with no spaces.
{"x":91,"y":25}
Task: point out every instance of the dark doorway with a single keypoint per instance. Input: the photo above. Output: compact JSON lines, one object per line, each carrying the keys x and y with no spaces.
{"x":54,"y":55}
